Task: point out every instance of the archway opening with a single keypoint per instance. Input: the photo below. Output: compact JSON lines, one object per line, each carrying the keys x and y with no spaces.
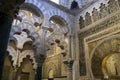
{"x":27,"y":72}
{"x":57,"y":20}
{"x":51,"y":75}
{"x":8,"y":70}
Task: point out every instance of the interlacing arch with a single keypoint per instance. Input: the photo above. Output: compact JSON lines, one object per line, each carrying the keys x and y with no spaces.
{"x":50,"y":66}
{"x":61,"y":43}
{"x":30,"y":53}
{"x":58,"y":34}
{"x":49,"y":14}
{"x":27,"y":27}
{"x":13,"y":53}
{"x":26,"y":24}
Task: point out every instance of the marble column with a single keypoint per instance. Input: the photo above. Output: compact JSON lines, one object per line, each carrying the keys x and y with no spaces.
{"x":69,"y":64}
{"x":16,"y":73}
{"x":38,"y":75}
{"x":5,"y":27}
{"x":8,"y":9}
{"x":40,"y":60}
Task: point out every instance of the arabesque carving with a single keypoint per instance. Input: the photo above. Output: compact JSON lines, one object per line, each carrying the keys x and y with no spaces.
{"x":113,"y":6}
{"x":81,"y":22}
{"x":88,"y":19}
{"x":95,"y":15}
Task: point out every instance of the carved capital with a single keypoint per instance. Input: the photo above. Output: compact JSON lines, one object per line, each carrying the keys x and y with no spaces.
{"x":64,"y":53}
{"x":40,"y":59}
{"x":69,"y":62}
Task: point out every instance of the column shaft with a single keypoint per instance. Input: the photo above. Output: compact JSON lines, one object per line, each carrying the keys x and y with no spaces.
{"x":69,"y":74}
{"x":38,"y":75}
{"x":5,"y":27}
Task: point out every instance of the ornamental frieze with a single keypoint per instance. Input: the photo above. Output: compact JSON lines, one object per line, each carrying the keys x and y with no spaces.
{"x":96,"y":15}
{"x":105,"y":23}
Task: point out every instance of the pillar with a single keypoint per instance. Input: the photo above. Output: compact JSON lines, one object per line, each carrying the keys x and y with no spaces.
{"x":38,"y":75}
{"x":5,"y":27}
{"x":40,"y":60}
{"x":69,"y":64}
{"x":8,"y":9}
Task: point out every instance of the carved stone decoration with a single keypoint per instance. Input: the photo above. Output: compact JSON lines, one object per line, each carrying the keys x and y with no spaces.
{"x":103,"y":10}
{"x":106,"y":24}
{"x":57,"y":35}
{"x":63,"y":53}
{"x":113,"y":6}
{"x":81,"y":22}
{"x":119,"y":2}
{"x":95,"y":15}
{"x":52,"y":39}
{"x":21,"y":55}
{"x":96,"y":67}
{"x":88,"y":19}
{"x":26,"y":53}
{"x":107,"y":47}
{"x":68,"y":62}
{"x":52,"y":63}
{"x":12,"y":52}
{"x":21,"y":39}
{"x":27,"y":25}
{"x":57,"y":41}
